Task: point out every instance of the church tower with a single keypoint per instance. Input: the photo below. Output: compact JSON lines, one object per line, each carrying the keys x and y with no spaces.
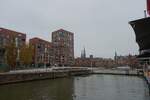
{"x":83,"y":53}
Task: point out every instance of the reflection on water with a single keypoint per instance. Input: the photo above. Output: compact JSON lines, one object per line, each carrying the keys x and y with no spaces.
{"x":58,"y":89}
{"x":107,"y":87}
{"x":94,"y":87}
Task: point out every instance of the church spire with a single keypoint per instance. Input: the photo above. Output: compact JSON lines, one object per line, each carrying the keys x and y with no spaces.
{"x":115,"y":58}
{"x":83,"y":53}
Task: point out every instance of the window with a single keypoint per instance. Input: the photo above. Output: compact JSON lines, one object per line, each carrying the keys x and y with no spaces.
{"x":70,"y":37}
{"x":23,"y":40}
{"x":61,"y":34}
{"x":1,"y":41}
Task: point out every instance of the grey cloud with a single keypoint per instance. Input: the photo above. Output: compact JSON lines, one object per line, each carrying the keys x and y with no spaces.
{"x":99,"y":25}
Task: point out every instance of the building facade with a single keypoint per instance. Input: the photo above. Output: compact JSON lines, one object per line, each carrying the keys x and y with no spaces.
{"x":129,"y":60}
{"x":94,"y":62}
{"x":42,"y":52}
{"x":7,"y":37}
{"x":63,"y":47}
{"x":2,"y":56}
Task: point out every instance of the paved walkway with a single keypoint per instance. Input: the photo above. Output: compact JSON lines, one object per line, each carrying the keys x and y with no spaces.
{"x":39,"y":70}
{"x":110,"y":71}
{"x":61,"y":69}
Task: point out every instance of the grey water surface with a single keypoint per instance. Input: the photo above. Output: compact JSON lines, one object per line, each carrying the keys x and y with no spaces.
{"x":92,"y":87}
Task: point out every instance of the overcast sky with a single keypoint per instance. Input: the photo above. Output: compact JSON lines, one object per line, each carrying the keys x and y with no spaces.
{"x":101,"y":26}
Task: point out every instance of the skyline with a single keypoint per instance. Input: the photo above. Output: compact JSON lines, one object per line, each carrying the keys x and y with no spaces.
{"x":104,"y":36}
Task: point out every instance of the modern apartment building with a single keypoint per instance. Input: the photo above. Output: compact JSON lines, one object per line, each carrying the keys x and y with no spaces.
{"x":63,"y":47}
{"x":42,"y":52}
{"x":7,"y":37}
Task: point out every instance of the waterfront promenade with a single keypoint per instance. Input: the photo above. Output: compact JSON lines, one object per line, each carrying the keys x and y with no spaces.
{"x":14,"y":76}
{"x":57,"y":72}
{"x":63,"y":69}
{"x":116,"y":72}
{"x":49,"y":69}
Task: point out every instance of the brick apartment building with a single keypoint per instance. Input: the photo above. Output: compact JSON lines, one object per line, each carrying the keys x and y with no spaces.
{"x":130,"y":60}
{"x":42,"y":52}
{"x":91,"y":61}
{"x":94,"y":62}
{"x":8,"y":36}
{"x":63,"y":47}
{"x":84,"y":62}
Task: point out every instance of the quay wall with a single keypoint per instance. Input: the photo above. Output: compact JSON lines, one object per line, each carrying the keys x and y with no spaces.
{"x":118,"y":72}
{"x":7,"y":78}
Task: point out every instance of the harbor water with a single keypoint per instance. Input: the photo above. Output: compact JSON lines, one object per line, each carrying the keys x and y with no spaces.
{"x":92,"y":87}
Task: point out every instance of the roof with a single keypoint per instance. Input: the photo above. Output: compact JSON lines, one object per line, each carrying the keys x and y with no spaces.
{"x":60,"y":30}
{"x":140,"y":20}
{"x":39,"y":39}
{"x":8,"y":31}
{"x":141,"y":28}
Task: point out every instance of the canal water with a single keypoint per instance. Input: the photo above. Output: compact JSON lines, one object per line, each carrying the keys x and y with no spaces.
{"x":93,"y":87}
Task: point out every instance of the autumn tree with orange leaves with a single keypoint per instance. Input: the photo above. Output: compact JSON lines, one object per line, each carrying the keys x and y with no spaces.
{"x":26,"y":54}
{"x":11,"y":55}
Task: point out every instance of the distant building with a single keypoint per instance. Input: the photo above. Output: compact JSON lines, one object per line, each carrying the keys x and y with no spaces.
{"x":83,"y":53}
{"x":85,"y":62}
{"x":63,"y":47}
{"x":115,"y":57}
{"x":91,"y":61}
{"x":91,"y":56}
{"x":94,"y":62}
{"x":7,"y":37}
{"x":42,"y":52}
{"x":130,"y":60}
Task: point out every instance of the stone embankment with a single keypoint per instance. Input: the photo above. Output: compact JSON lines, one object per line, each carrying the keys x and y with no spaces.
{"x":117,"y":72}
{"x":56,"y":72}
{"x":40,"y":74}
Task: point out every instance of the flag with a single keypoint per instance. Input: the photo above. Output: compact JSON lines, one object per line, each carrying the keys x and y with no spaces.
{"x":148,"y":7}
